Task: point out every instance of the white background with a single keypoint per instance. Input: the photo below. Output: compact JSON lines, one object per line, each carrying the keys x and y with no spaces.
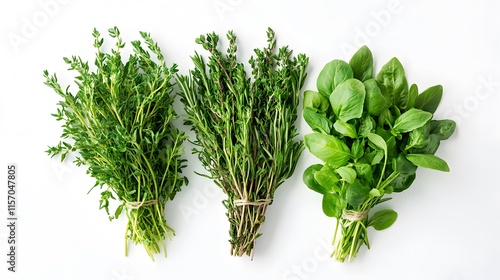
{"x":448,"y":225}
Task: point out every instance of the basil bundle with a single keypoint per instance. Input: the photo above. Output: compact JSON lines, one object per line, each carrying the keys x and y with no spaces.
{"x":371,"y":132}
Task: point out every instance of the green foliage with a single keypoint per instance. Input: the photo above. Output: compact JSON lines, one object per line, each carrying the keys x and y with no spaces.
{"x":371,"y":138}
{"x":244,"y":126}
{"x":120,"y":123}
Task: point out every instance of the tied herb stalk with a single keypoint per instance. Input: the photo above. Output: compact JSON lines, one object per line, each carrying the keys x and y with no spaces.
{"x":244,"y":127}
{"x":120,"y":123}
{"x":371,"y":132}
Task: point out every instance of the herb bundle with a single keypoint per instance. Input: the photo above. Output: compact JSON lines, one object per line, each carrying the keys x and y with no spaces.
{"x":120,"y":123}
{"x":245,"y":127}
{"x":371,"y":132}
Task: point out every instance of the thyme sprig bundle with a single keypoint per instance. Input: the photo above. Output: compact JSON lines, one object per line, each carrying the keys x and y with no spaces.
{"x":244,"y":126}
{"x":120,"y":123}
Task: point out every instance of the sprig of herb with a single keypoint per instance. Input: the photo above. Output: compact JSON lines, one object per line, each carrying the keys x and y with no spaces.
{"x":371,"y":132}
{"x":120,"y":123}
{"x":245,"y":133}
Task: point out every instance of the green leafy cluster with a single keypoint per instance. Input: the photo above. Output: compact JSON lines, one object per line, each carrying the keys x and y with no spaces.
{"x":371,"y":132}
{"x":120,"y":123}
{"x":244,"y":126}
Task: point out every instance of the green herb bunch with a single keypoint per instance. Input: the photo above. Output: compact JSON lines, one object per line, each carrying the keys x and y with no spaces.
{"x":244,"y":126}
{"x":120,"y":123}
{"x":371,"y":132}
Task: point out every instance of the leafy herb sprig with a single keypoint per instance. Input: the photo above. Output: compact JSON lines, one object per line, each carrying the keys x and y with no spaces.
{"x":371,"y":132}
{"x":120,"y":123}
{"x":245,"y":133}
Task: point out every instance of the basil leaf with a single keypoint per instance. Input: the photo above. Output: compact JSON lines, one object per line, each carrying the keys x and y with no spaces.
{"x":357,"y":193}
{"x":410,"y":120}
{"x":347,"y":174}
{"x":328,"y":179}
{"x":443,"y":129}
{"x":314,"y":99}
{"x":374,"y":157}
{"x":328,"y":148}
{"x":383,"y":219}
{"x":366,"y":126}
{"x":334,"y":73}
{"x":402,"y":182}
{"x":333,"y":205}
{"x":375,"y":101}
{"x":431,"y":147}
{"x":429,"y":99}
{"x":317,"y":121}
{"x":362,"y":64}
{"x":412,"y":96}
{"x":309,"y":180}
{"x":364,"y":171}
{"x":358,"y":148}
{"x":428,"y":161}
{"x":385,"y":118}
{"x":347,"y":100}
{"x":419,"y":137}
{"x":392,"y":76}
{"x":345,"y":129}
{"x":378,"y":141}
{"x":403,"y":166}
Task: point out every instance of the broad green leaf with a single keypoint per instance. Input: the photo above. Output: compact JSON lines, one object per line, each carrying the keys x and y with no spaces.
{"x":328,"y":179}
{"x":392,"y":76}
{"x":358,"y":148}
{"x":375,"y":101}
{"x":429,"y":99}
{"x":309,"y":180}
{"x":364,"y":171}
{"x":357,"y":193}
{"x":362,"y":64}
{"x":383,"y":219}
{"x":333,"y":205}
{"x":334,"y":73}
{"x":412,"y":96}
{"x":428,"y":161}
{"x":402,"y":182}
{"x":345,"y":129}
{"x":347,"y":100}
{"x":378,"y":141}
{"x":419,"y":137}
{"x":385,"y":118}
{"x":327,"y":148}
{"x":431,"y":147}
{"x":317,"y":121}
{"x":443,"y":129}
{"x":375,"y":157}
{"x":402,"y":165}
{"x":410,"y":120}
{"x":316,"y":100}
{"x":347,"y":174}
{"x":366,"y":126}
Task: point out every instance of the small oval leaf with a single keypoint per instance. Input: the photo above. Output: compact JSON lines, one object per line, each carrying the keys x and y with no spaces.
{"x":383,"y":219}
